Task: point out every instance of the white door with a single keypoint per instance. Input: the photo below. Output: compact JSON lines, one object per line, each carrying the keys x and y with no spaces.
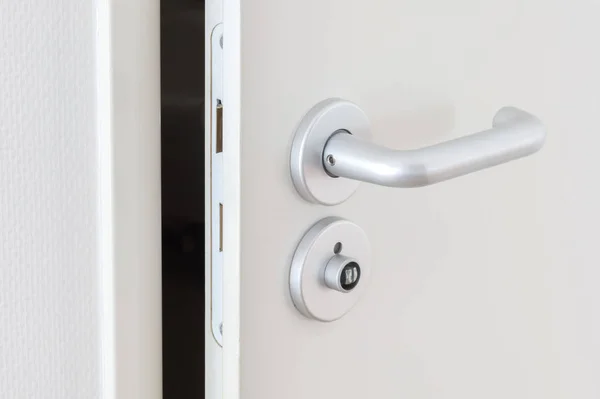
{"x":481,"y":286}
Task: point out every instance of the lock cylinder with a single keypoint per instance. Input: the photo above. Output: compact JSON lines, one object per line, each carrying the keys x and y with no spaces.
{"x":330,"y":269}
{"x":342,"y":273}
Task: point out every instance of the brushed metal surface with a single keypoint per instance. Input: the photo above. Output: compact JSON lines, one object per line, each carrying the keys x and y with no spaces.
{"x":310,"y":178}
{"x":310,"y":293}
{"x":515,"y":134}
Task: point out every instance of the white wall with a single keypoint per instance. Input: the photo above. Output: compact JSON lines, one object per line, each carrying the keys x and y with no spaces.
{"x":49,"y":309}
{"x":80,"y":288}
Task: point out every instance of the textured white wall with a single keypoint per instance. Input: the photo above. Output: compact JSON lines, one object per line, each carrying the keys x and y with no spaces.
{"x":49,"y":310}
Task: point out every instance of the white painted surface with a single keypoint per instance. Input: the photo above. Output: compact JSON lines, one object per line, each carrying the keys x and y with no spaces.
{"x":79,"y":200}
{"x":128,"y":86}
{"x":232,"y":241}
{"x":484,"y":286}
{"x":49,"y":326}
{"x":213,"y":352}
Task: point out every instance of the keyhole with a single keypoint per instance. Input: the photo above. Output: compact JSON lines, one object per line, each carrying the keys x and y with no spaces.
{"x":350,"y":276}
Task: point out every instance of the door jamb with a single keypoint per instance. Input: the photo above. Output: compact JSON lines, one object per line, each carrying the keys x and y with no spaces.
{"x":129,"y":191}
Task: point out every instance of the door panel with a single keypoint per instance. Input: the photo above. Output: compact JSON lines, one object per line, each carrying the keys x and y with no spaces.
{"x":482,"y":286}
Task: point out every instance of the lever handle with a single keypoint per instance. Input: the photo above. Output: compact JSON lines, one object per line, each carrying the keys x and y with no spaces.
{"x":333,"y":140}
{"x":515,"y":134}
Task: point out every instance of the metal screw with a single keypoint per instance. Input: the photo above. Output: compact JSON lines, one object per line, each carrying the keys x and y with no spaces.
{"x":330,"y":160}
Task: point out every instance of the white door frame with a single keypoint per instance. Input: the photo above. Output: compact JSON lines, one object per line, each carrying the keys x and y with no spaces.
{"x":129,"y":190}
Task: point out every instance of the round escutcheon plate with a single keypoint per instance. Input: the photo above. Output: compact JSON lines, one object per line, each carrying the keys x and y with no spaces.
{"x":306,"y":162}
{"x":327,"y":238}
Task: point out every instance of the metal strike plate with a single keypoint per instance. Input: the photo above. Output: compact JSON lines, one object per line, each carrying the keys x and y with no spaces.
{"x":216,"y":186}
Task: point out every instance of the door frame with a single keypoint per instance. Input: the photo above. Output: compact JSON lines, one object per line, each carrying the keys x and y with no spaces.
{"x":129,"y":195}
{"x":129,"y":192}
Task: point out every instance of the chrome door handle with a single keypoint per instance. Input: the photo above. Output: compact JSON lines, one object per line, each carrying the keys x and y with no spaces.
{"x":346,"y":152}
